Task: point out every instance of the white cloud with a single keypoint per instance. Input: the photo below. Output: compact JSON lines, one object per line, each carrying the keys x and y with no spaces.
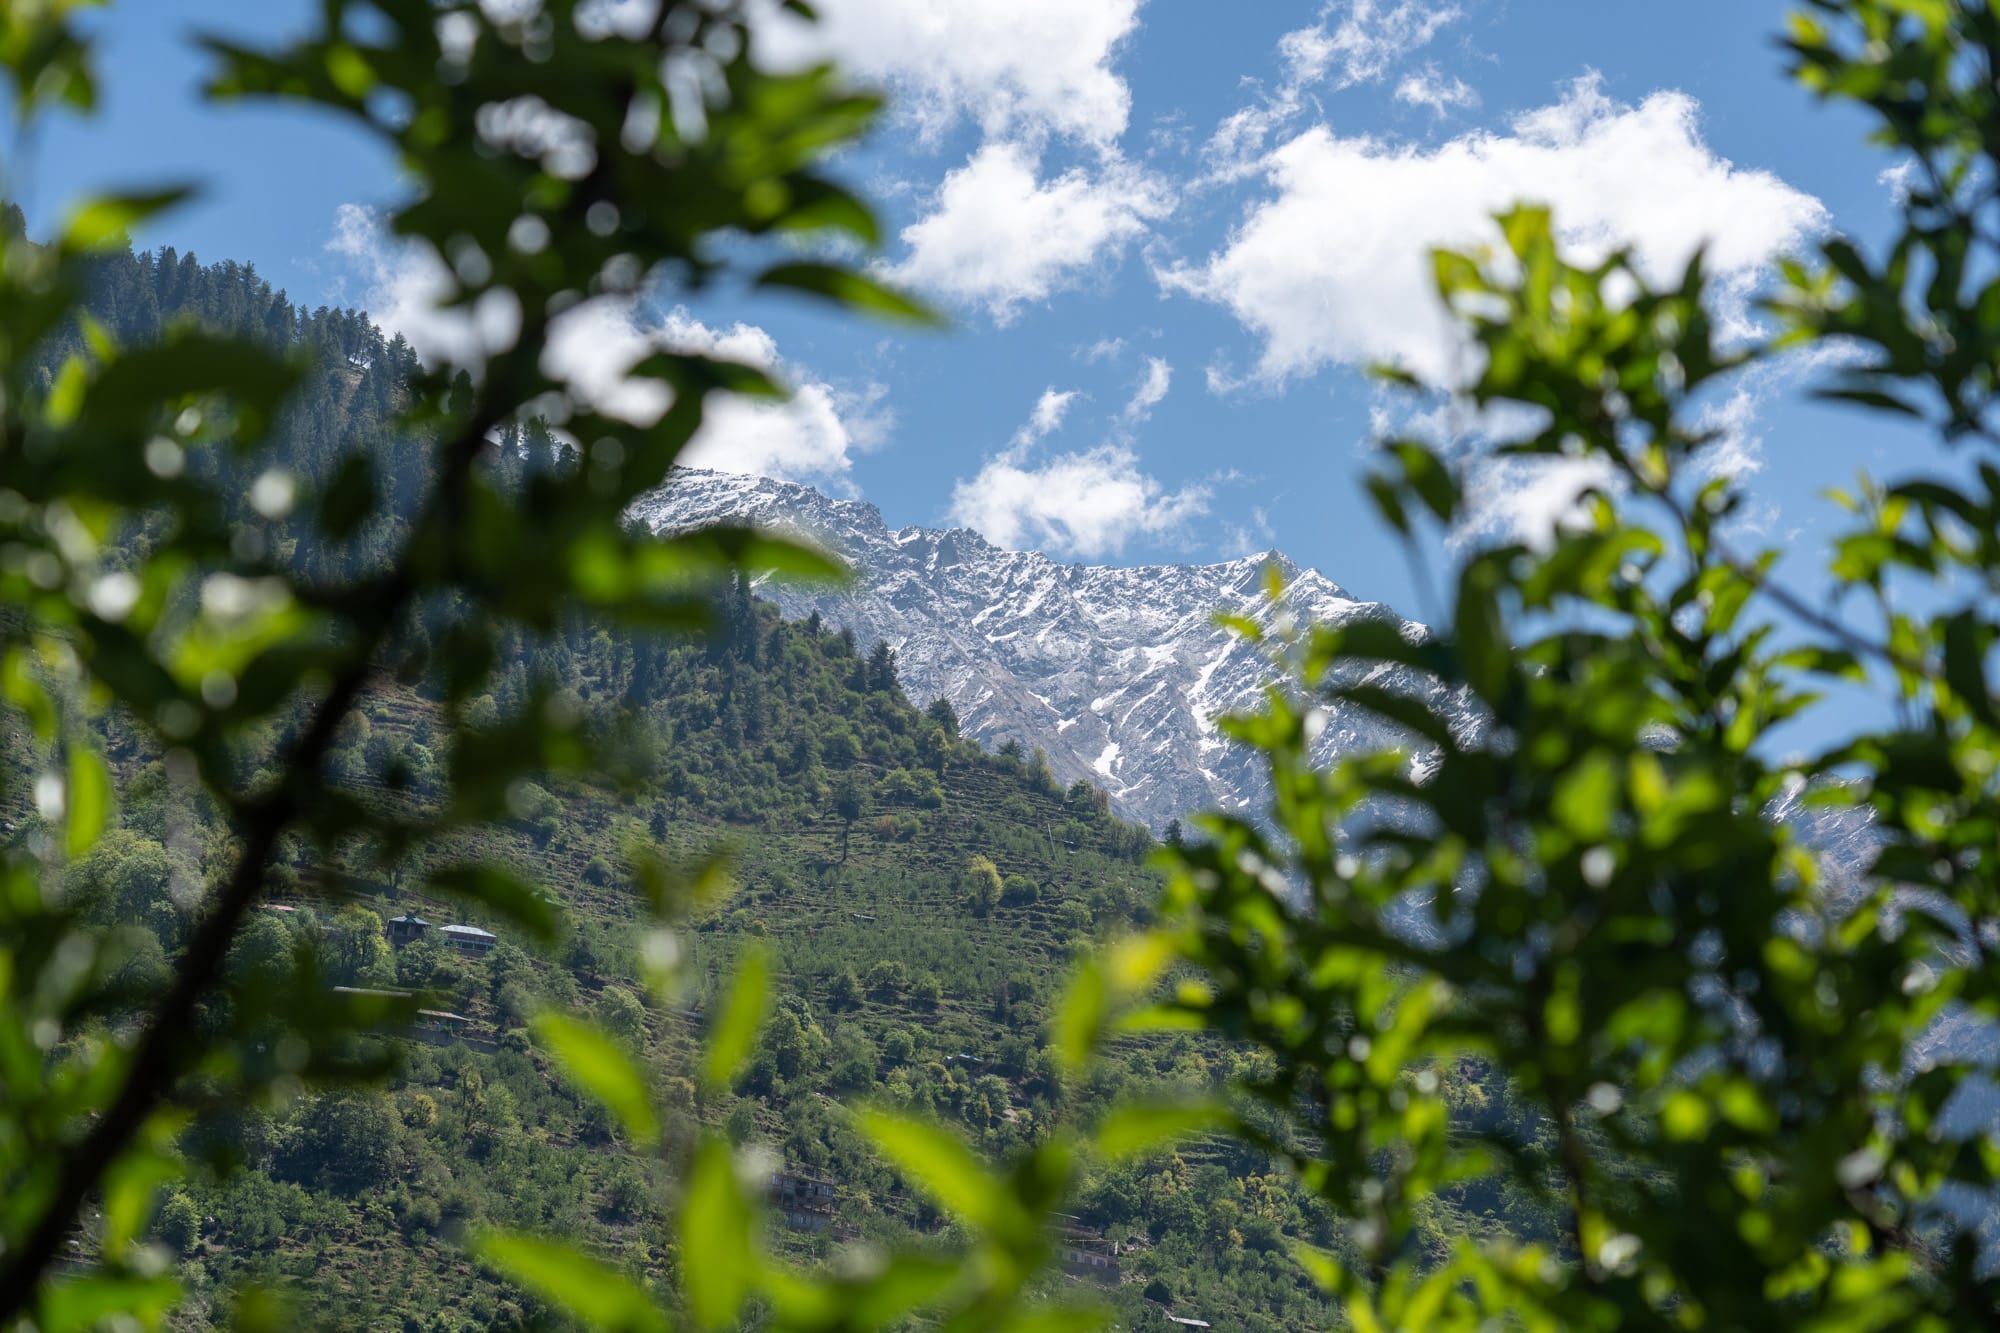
{"x":593,"y":347}
{"x":1254,"y":537}
{"x":1354,"y":42}
{"x":1104,"y":349}
{"x":1898,"y":179}
{"x":1357,"y":41}
{"x":1012,"y":66}
{"x":1735,"y":421}
{"x":998,"y":237}
{"x":1334,"y":267}
{"x":1089,"y":503}
{"x":1159,"y":375}
{"x":1528,"y":498}
{"x":1524,"y":498}
{"x":1433,"y":88}
{"x":402,"y":285}
{"x":1050,"y":409}
{"x":812,"y":434}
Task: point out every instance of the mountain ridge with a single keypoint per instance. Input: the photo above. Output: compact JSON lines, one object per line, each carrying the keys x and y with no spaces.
{"x":1116,"y":672}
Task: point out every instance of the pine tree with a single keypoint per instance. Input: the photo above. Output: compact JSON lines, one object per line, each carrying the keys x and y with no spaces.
{"x":882,"y":668}
{"x":944,"y":716}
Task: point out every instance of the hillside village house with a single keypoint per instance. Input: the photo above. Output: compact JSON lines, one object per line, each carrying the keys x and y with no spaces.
{"x":807,"y":1203}
{"x":470,"y":939}
{"x":442,"y":1020}
{"x":407,"y":927}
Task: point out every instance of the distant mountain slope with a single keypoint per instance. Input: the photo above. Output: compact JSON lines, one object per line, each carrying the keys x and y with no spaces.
{"x":1117,"y":673}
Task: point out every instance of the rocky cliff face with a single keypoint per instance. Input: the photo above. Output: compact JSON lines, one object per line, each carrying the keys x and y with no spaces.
{"x":1116,"y":673}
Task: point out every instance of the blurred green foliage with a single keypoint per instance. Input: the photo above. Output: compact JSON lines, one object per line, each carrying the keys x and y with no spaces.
{"x":1608,"y":893}
{"x":137,"y":583}
{"x":1585,"y":969}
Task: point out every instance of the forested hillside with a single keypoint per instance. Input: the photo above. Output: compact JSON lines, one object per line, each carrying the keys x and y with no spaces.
{"x":921,"y":902}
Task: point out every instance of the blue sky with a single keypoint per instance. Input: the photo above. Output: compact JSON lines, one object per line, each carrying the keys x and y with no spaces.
{"x":1168,"y":235}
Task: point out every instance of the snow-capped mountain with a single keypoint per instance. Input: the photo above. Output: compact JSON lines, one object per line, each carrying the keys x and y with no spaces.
{"x":1116,"y":673}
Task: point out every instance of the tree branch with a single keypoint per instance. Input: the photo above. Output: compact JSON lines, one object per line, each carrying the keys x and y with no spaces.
{"x":159,"y":1058}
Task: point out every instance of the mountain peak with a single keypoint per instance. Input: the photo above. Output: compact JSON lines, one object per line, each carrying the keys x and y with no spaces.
{"x":1116,"y":672}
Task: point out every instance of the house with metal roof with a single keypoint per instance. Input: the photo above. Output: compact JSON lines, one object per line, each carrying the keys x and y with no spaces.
{"x":469,"y":939}
{"x":442,"y":1020}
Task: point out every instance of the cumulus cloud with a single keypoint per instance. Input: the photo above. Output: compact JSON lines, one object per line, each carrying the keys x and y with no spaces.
{"x":998,"y":237}
{"x":1433,"y":88}
{"x":1011,"y":66}
{"x":593,"y":347}
{"x":1333,"y":267}
{"x":813,"y":434}
{"x":1088,"y":503}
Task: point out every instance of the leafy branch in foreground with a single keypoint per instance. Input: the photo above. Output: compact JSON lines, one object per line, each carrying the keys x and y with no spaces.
{"x":1751,"y":1066}
{"x":147,"y":573}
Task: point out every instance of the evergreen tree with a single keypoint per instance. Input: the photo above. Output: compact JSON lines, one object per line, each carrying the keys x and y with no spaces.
{"x":942,"y":714}
{"x":882,"y":667}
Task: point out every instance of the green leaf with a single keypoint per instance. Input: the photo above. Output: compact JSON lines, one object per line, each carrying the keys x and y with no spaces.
{"x":1143,"y":1126}
{"x":129,"y":1189}
{"x":1426,"y":475}
{"x":260,"y":1309}
{"x":942,"y":1165}
{"x":107,"y":221}
{"x":594,"y":1063}
{"x":1388,"y":503}
{"x":1875,"y":398}
{"x":1241,"y":626}
{"x":598,"y":1296}
{"x":130,"y":391}
{"x":96,"y":1301}
{"x":1080,"y":1019}
{"x":819,"y":205}
{"x":1586,"y":796}
{"x":1411,"y":714}
{"x":1965,"y":666}
{"x":88,"y":798}
{"x":848,"y":288}
{"x":742,"y":1013}
{"x":1481,"y":632}
{"x":721,"y":1266}
{"x":732,"y":546}
{"x":504,"y":892}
